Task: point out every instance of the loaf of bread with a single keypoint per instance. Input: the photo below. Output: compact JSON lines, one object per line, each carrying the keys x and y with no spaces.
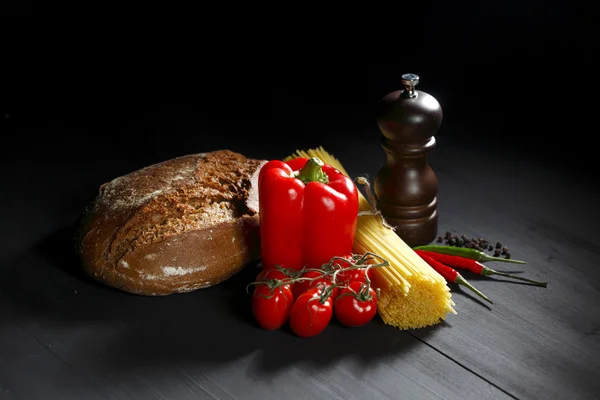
{"x":173,"y":227}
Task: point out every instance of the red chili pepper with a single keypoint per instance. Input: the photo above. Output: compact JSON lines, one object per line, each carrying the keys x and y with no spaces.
{"x":450,"y":274}
{"x":472,"y":265}
{"x":308,"y":213}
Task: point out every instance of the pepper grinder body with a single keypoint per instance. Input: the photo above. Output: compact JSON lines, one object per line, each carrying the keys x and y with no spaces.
{"x":406,"y":187}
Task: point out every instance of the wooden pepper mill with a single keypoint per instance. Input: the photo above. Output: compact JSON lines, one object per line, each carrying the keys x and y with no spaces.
{"x":406,"y":186}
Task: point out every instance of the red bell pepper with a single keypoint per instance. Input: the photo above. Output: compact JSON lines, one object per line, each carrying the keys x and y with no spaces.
{"x":308,"y":213}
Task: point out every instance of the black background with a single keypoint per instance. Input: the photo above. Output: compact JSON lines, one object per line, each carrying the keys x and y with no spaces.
{"x":511,"y":76}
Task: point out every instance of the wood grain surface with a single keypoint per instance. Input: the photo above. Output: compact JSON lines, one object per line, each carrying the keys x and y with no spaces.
{"x":65,"y":336}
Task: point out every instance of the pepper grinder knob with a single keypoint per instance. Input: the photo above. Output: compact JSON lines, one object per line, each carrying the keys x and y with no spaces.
{"x":406,"y":186}
{"x":409,"y":81}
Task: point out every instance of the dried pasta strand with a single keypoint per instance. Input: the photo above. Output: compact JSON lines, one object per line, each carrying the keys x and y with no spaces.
{"x":413,"y":295}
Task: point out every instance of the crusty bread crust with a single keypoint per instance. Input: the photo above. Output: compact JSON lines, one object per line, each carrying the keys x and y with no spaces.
{"x":173,"y":227}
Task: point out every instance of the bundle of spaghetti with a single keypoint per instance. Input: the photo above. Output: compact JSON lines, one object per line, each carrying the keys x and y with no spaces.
{"x":413,"y":295}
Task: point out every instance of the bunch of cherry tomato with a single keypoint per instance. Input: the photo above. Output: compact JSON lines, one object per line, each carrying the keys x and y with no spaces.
{"x":309,"y":299}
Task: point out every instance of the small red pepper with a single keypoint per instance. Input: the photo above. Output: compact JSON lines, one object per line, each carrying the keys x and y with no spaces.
{"x":308,"y":213}
{"x":472,"y":265}
{"x":450,"y":274}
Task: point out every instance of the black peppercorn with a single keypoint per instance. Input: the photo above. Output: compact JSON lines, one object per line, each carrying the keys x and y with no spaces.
{"x":478,"y":243}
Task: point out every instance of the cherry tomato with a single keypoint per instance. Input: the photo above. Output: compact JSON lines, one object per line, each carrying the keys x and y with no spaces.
{"x":271,"y":308}
{"x":302,"y":286}
{"x":354,"y":307}
{"x":346,"y":276}
{"x":343,"y":263}
{"x":319,"y":281}
{"x":267,"y":274}
{"x":309,"y":316}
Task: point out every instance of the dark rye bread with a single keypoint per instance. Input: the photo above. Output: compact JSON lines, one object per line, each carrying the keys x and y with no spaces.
{"x":173,"y":227}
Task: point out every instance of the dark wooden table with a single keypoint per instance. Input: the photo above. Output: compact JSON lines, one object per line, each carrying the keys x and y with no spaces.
{"x":63,"y":336}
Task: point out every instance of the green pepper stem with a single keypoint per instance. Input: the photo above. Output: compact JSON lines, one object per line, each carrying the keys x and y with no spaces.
{"x":313,"y":171}
{"x":489,"y":271}
{"x":462,"y":281}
